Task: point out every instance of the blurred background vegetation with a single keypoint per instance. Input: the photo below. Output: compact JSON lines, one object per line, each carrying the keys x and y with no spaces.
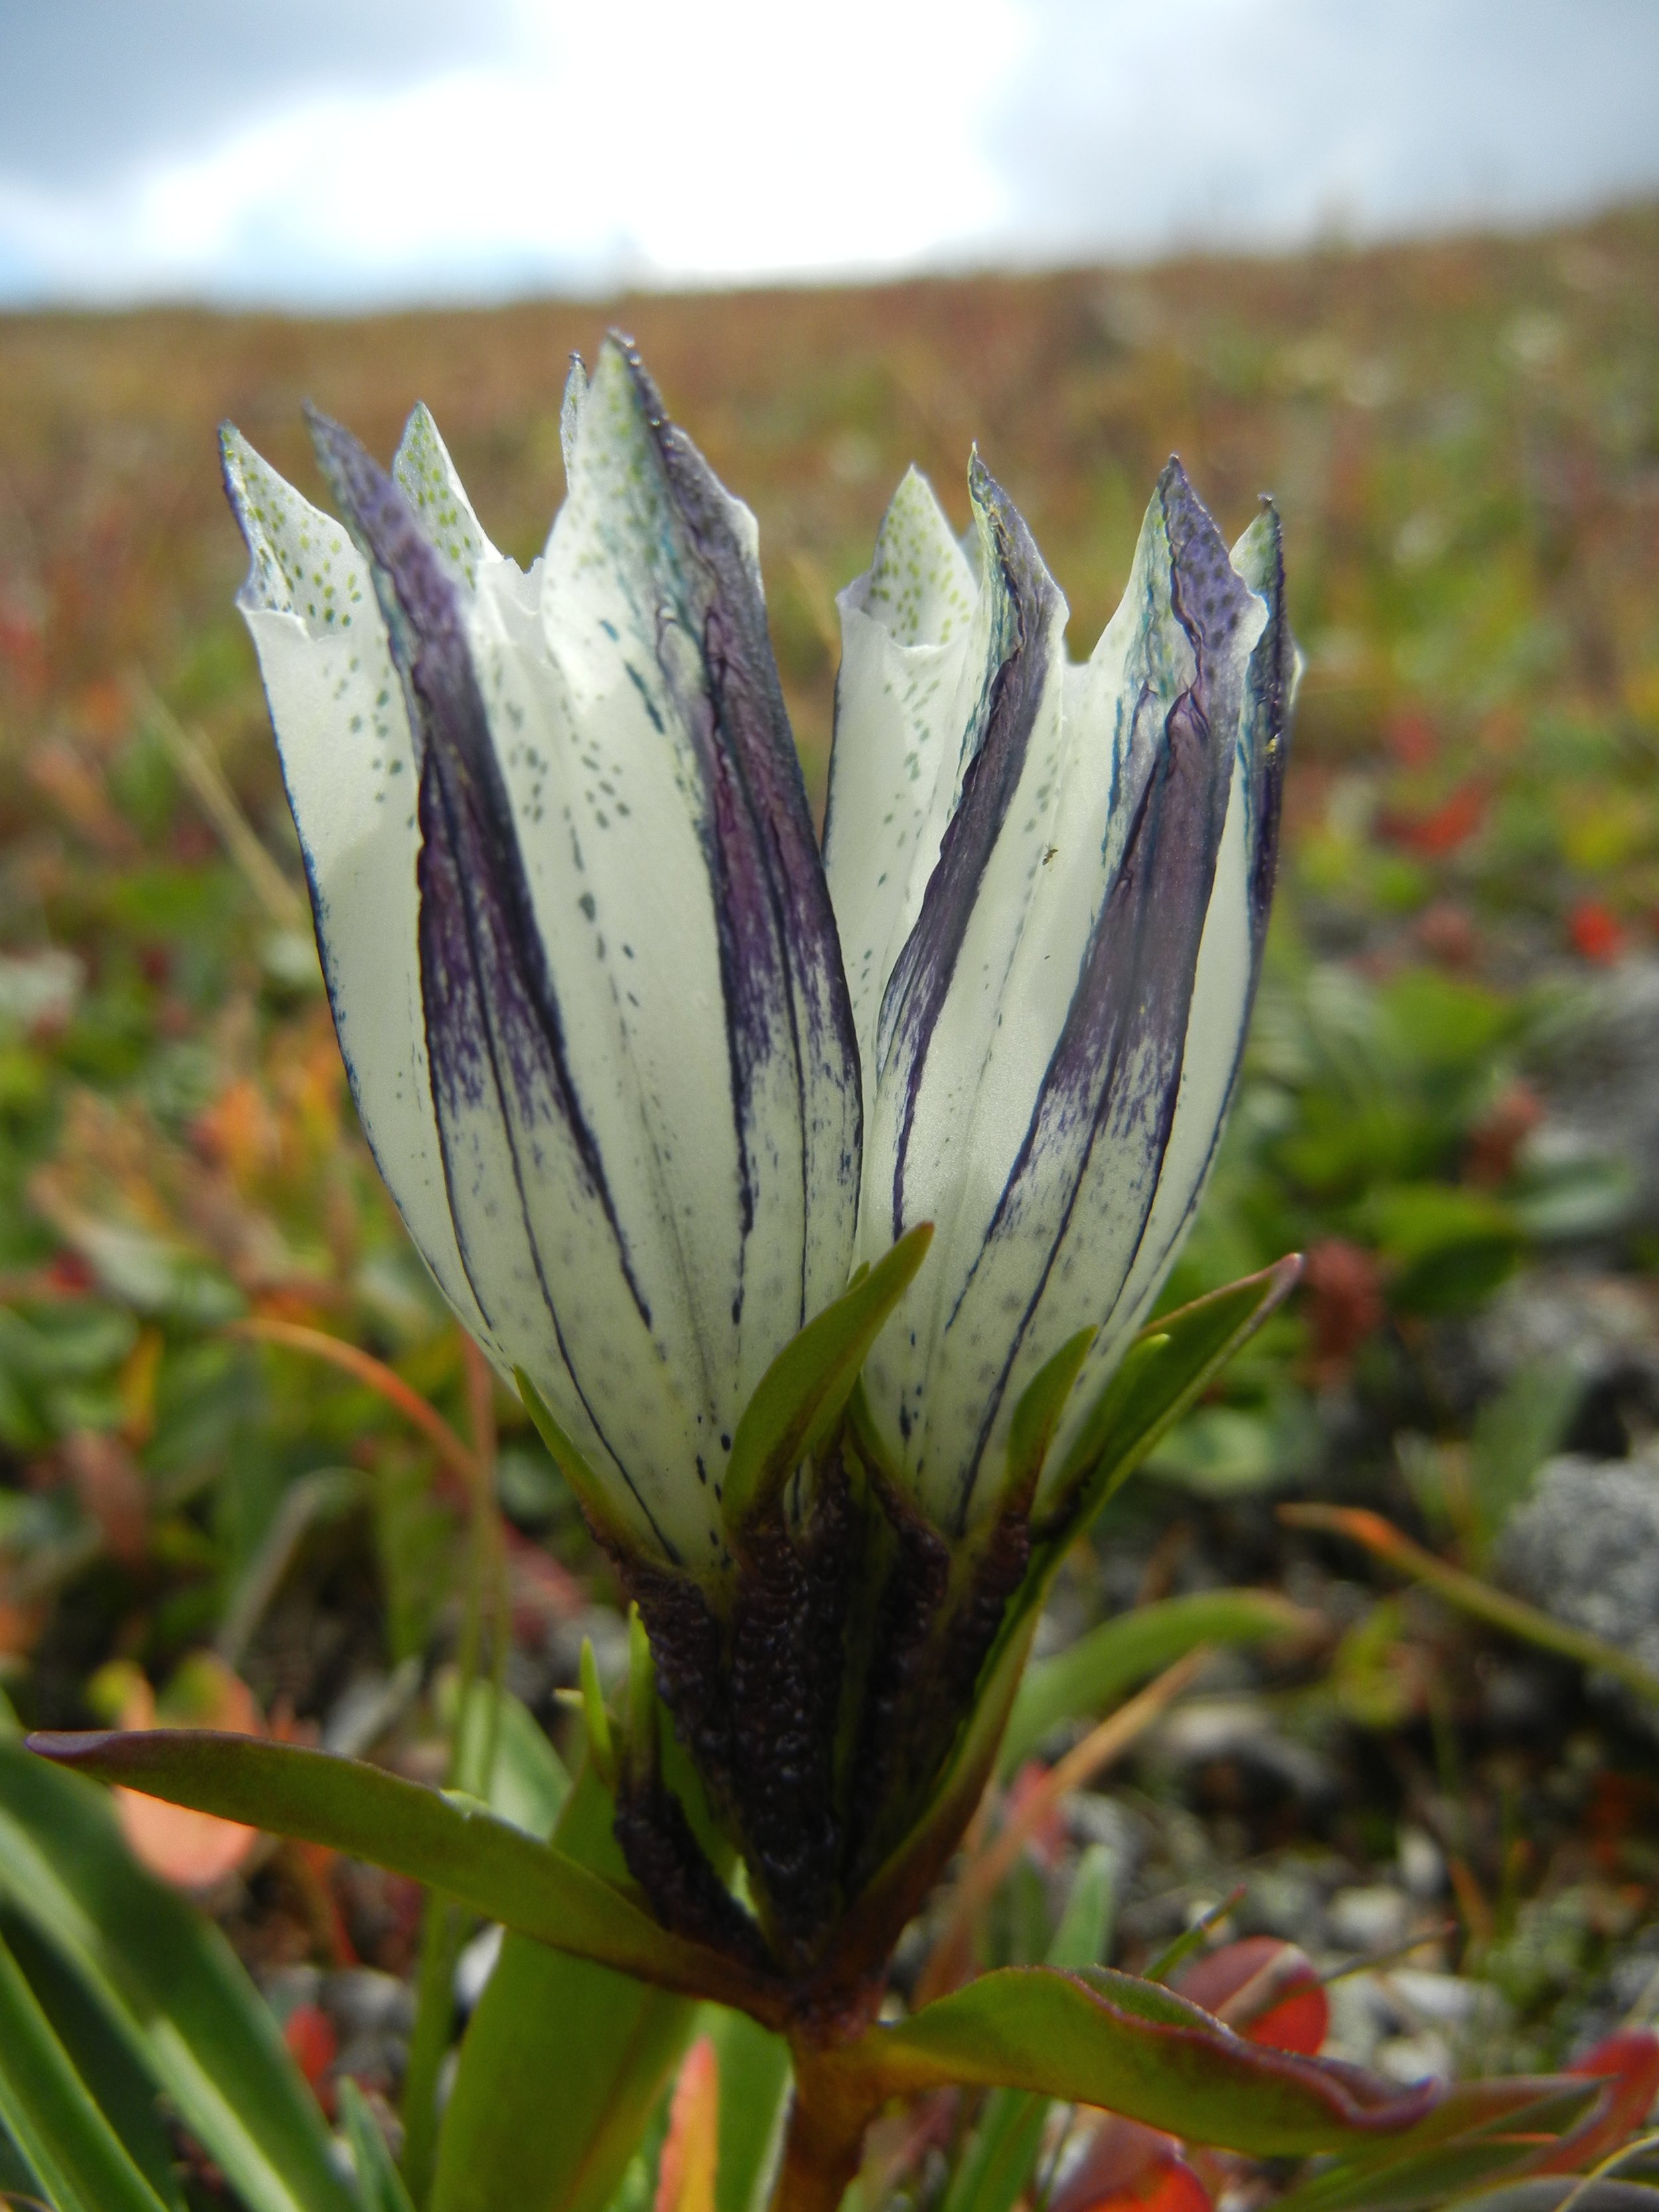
{"x":1451,"y":1103}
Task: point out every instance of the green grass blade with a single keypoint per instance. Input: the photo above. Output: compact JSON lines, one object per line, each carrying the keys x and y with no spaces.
{"x":122,"y":2086}
{"x":167,"y":1983}
{"x":755,"y":2078}
{"x":52,"y":2116}
{"x":1003,"y":2156}
{"x":379,"y":2185}
{"x":1103,"y":1666}
{"x":562,"y":2064}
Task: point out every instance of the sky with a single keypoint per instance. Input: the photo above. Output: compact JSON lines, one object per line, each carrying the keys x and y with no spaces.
{"x":336,"y":154}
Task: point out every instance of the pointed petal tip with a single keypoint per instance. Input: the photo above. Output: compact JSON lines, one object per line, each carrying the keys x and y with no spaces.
{"x":571,"y":407}
{"x":647,"y":396}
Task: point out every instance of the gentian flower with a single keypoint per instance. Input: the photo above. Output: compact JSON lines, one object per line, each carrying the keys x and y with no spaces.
{"x":576,"y":933}
{"x":1051,"y":885}
{"x":652,"y":1084}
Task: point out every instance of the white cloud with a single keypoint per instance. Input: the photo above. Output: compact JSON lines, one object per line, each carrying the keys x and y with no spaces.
{"x":1226,"y":122}
{"x":688,"y":140}
{"x":736,"y":140}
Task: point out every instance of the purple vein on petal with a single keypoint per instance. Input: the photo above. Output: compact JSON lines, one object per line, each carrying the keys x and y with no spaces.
{"x":782,"y":979}
{"x":1016,"y":671}
{"x":1118,"y":1059}
{"x":495,"y":1038}
{"x":1269,"y":685}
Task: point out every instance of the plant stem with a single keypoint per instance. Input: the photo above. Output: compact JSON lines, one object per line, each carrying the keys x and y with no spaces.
{"x":832,"y":2106}
{"x":1471,"y":1595}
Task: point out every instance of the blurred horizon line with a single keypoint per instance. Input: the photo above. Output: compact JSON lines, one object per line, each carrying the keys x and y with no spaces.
{"x":1335,"y":239}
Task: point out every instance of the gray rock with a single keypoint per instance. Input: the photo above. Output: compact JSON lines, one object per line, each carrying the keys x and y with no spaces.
{"x":1585,"y":1548}
{"x":1376,"y":1917}
{"x":1598,"y":1069}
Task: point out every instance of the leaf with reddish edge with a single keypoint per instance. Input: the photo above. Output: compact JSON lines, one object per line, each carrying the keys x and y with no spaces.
{"x":456,"y":1847}
{"x":1265,"y":1988}
{"x":1628,"y":2062}
{"x":1095,"y":2037}
{"x":1479,"y":2131}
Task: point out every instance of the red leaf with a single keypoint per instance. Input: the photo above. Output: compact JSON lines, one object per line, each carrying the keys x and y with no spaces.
{"x":685,"y":2176}
{"x":1130,"y":2168}
{"x":309,"y":2034}
{"x":1441,"y":828}
{"x":1343,"y":1293}
{"x":1266,"y":1989}
{"x":1595,"y":933}
{"x":1628,"y":2061}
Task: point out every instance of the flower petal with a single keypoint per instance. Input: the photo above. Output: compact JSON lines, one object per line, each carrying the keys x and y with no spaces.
{"x":645,"y":1077}
{"x":905,"y":639}
{"x":426,"y":477}
{"x":708,"y":947}
{"x":1230,"y":956}
{"x":1046,"y":1099}
{"x":348,"y":763}
{"x":526,"y":1183}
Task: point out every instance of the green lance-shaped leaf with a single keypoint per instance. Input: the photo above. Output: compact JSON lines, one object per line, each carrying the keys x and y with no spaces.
{"x":1101,"y":1668}
{"x":446,"y":1841}
{"x":804,"y":1393}
{"x":52,"y":2116}
{"x":1094,"y":2037}
{"x":122,"y":2086}
{"x":379,"y":2182}
{"x":562,"y":2063}
{"x":168,"y":1986}
{"x":1037,"y":1415}
{"x":528,"y":1782}
{"x":1165,"y":1369}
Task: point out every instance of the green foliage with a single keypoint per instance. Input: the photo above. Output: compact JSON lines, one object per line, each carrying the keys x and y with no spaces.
{"x":51,"y":2115}
{"x":1101,"y":1668}
{"x":562,"y":2063}
{"x":1094,"y":2037}
{"x":165,"y":1985}
{"x":799,"y":1402}
{"x":445,"y":1840}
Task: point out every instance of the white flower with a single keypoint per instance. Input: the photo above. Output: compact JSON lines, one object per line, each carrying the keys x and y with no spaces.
{"x":573,"y":923}
{"x":645,"y":1081}
{"x":1052,"y":885}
